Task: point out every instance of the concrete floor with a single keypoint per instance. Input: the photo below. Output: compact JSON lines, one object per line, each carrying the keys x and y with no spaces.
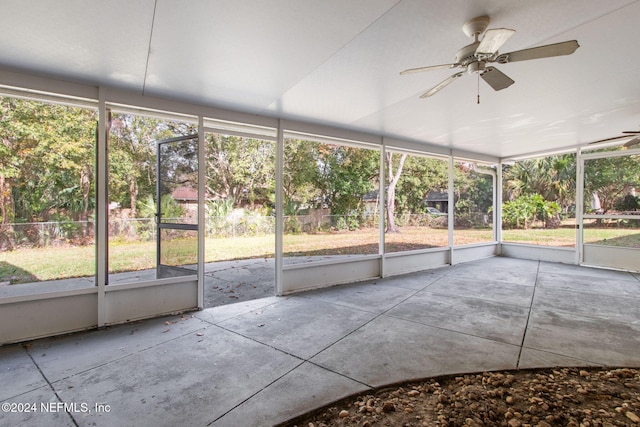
{"x":261,"y":362}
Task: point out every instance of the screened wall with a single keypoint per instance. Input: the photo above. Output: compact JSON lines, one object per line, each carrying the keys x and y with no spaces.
{"x":135,"y":198}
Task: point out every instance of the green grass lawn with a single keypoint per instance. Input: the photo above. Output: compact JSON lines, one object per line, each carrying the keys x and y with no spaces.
{"x":562,"y":237}
{"x":51,"y":263}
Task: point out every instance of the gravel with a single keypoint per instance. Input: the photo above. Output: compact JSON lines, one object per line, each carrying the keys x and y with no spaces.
{"x":575,"y":397}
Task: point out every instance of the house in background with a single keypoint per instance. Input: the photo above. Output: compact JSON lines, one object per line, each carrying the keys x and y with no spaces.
{"x":186,"y":197}
{"x":438,"y":200}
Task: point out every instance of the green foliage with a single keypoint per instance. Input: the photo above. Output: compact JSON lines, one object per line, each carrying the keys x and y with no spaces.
{"x":521,"y":212}
{"x":420,"y":176}
{"x":629,"y":203}
{"x":348,"y":222}
{"x":47,"y":162}
{"x":552,"y":177}
{"x":240,"y":169}
{"x":291,"y":207}
{"x":300,"y":172}
{"x":319,"y":175}
{"x":132,"y":156}
{"x":219,"y":208}
{"x":170,"y":208}
{"x":347,"y":174}
{"x":292,"y":225}
{"x":612,"y":178}
{"x":473,"y":196}
{"x":46,"y":159}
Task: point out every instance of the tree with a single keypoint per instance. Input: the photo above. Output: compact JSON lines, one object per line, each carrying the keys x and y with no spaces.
{"x":552,"y":177}
{"x":611,"y":178}
{"x":346,"y":174}
{"x":420,"y":176}
{"x":46,"y":159}
{"x":473,"y":191}
{"x":239,"y":168}
{"x":300,"y":175}
{"x":132,"y":156}
{"x":393,"y":177}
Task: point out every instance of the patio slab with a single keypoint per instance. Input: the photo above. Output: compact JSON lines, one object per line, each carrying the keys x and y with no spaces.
{"x":616,"y":285}
{"x":372,"y":296}
{"x":299,"y":326}
{"x":595,"y":341}
{"x":61,"y":357}
{"x":44,"y":409}
{"x":198,"y":377}
{"x":487,"y":319}
{"x":276,"y":403}
{"x":601,"y":306}
{"x":500,"y":269}
{"x":17,"y":369}
{"x":389,"y":350}
{"x":487,"y":289}
{"x":261,"y":362}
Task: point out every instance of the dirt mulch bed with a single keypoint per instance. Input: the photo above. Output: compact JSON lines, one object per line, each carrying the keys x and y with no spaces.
{"x":537,"y":398}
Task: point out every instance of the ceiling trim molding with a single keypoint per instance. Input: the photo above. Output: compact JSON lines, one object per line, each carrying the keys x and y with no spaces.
{"x":47,"y":86}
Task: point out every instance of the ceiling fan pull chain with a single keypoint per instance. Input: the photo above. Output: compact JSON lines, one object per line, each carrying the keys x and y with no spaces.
{"x":478,"y":88}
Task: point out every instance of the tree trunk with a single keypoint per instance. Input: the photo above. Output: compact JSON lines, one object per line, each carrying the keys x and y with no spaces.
{"x":391,"y":192}
{"x":133,"y":196}
{"x":6,"y":211}
{"x":85,"y":184}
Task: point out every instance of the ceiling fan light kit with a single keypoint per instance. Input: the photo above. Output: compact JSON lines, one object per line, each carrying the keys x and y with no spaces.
{"x":473,"y":58}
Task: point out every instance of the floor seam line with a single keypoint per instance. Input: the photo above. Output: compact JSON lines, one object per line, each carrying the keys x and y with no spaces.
{"x":51,"y":387}
{"x":451,"y":330}
{"x":259,"y":391}
{"x":260,"y":342}
{"x":127,"y":355}
{"x":564,"y":355}
{"x":363,"y":325}
{"x":526,"y":326}
{"x":340,"y":374}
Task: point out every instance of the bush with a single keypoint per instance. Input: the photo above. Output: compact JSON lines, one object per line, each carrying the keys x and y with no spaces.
{"x":628,"y":203}
{"x":292,"y":225}
{"x":521,"y":212}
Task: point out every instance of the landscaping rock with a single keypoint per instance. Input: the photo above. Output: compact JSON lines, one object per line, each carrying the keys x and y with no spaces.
{"x":536,"y":398}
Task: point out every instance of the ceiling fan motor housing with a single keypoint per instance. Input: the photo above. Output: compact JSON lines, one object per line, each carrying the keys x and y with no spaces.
{"x":466,"y":55}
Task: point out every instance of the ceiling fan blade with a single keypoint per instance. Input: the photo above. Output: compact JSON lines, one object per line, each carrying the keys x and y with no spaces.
{"x":493,"y":40}
{"x":496,"y":78}
{"x":429,"y":68}
{"x":609,"y":139}
{"x":631,"y":131}
{"x":442,"y":84}
{"x":634,"y":141}
{"x":547,"y":51}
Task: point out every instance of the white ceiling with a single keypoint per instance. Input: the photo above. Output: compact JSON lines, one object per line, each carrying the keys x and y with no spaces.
{"x":336,"y":62}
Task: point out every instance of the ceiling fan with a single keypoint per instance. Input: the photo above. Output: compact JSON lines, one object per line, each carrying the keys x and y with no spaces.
{"x":631,"y":143}
{"x":474,"y":58}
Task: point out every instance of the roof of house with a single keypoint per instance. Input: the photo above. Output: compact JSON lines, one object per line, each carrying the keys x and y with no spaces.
{"x":185,"y":194}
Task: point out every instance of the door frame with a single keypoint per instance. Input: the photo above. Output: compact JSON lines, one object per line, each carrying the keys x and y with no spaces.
{"x":164,"y":271}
